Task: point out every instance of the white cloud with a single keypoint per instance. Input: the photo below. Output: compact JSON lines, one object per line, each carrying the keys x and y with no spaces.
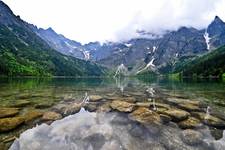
{"x":92,"y":20}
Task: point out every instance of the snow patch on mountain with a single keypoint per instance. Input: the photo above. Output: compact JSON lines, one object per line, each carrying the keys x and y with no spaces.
{"x":154,"y":48}
{"x":207,"y":39}
{"x":86,"y":55}
{"x":149,"y":65}
{"x":128,"y":44}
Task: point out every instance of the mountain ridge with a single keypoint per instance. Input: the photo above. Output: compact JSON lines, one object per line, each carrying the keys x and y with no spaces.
{"x":23,"y":53}
{"x":186,"y":41}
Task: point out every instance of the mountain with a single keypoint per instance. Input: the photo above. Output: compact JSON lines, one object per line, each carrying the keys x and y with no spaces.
{"x":161,"y":53}
{"x":141,"y":53}
{"x":155,"y":54}
{"x":93,"y":51}
{"x":210,"y":64}
{"x":61,"y":43}
{"x":24,"y":53}
{"x":216,"y":32}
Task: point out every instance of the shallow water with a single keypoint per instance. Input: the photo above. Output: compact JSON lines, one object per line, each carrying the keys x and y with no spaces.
{"x":101,"y":128}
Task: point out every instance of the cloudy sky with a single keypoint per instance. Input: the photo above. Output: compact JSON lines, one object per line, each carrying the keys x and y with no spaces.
{"x":114,"y":20}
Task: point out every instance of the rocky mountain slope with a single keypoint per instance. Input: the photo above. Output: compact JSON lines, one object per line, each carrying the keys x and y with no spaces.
{"x":157,"y":54}
{"x":23,"y":53}
{"x":148,"y":54}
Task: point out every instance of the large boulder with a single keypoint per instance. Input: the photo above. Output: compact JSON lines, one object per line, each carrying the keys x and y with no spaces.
{"x":8,"y":112}
{"x":7,"y":124}
{"x":122,"y":106}
{"x":177,"y":114}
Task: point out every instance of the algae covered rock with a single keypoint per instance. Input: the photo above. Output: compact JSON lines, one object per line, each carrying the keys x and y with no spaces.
{"x":8,"y":112}
{"x":190,"y":123}
{"x":122,"y":106}
{"x":7,"y":124}
{"x":95,"y":98}
{"x":210,"y":120}
{"x":177,"y":114}
{"x":145,"y":116}
{"x":51,"y":116}
{"x":32,"y":114}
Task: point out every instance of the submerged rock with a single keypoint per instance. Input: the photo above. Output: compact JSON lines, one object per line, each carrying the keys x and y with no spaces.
{"x":8,"y":112}
{"x":8,"y":124}
{"x":190,"y":123}
{"x":2,"y":146}
{"x":72,"y":109}
{"x":165,"y":119}
{"x":95,"y":140}
{"x":23,"y":96}
{"x":210,"y":120}
{"x":156,"y":146}
{"x":122,"y":106}
{"x":9,"y":139}
{"x":216,"y":133}
{"x":192,"y":137}
{"x":190,"y":107}
{"x":127,"y":99}
{"x":104,"y":108}
{"x":59,"y":108}
{"x":67,"y":109}
{"x":145,"y":116}
{"x":177,"y":114}
{"x":32,"y":115}
{"x":21,"y":103}
{"x":95,"y":98}
{"x":183,"y":101}
{"x":51,"y":116}
{"x":111,"y":145}
{"x":149,"y":104}
{"x":44,"y":105}
{"x":91,"y":107}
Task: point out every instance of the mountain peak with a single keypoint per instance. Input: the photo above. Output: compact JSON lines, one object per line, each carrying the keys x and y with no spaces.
{"x":217,"y":19}
{"x":216,"y":27}
{"x":50,"y":29}
{"x":4,"y":8}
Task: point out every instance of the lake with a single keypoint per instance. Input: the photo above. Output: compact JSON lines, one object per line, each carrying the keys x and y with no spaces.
{"x":111,"y":113}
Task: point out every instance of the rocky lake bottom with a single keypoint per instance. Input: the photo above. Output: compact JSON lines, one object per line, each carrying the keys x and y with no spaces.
{"x":111,"y":114}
